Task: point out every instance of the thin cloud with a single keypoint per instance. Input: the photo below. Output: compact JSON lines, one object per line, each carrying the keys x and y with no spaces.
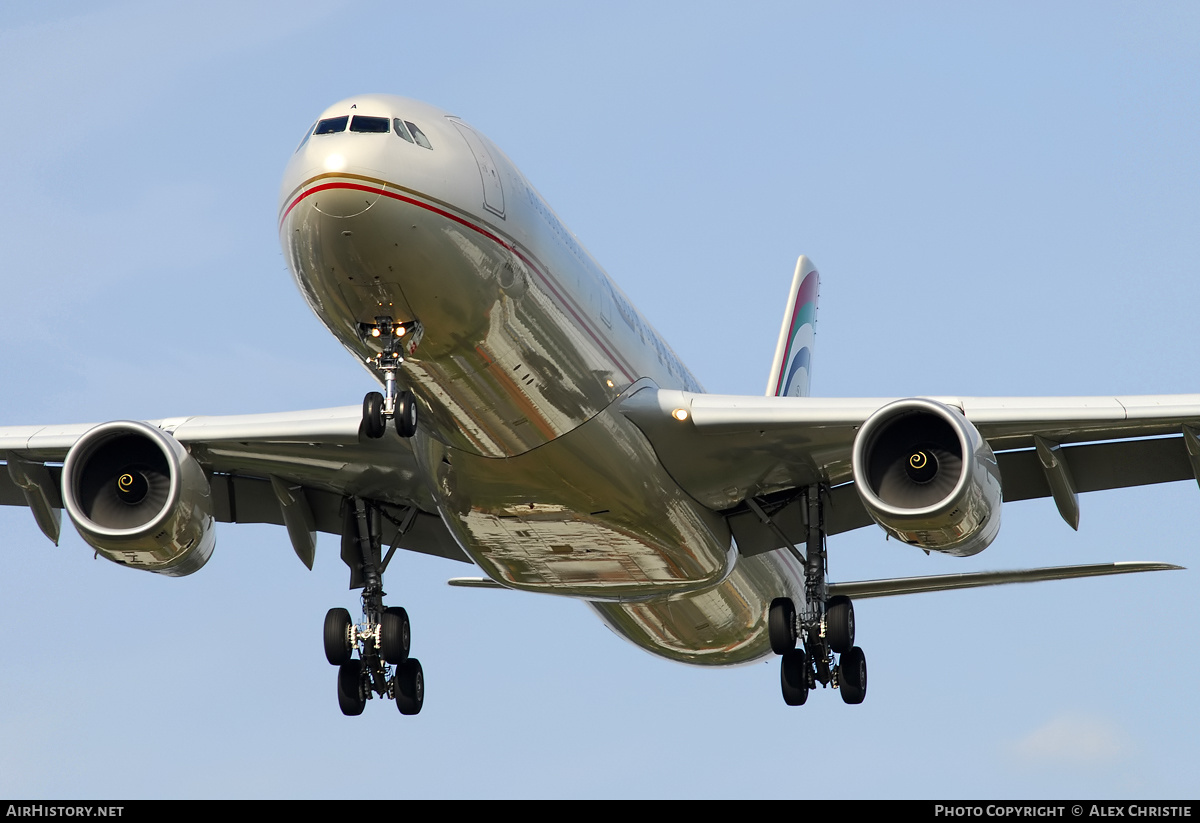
{"x":1072,"y":741}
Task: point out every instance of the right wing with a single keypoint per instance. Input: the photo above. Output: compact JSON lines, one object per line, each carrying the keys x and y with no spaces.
{"x":293,"y":469}
{"x":726,"y":450}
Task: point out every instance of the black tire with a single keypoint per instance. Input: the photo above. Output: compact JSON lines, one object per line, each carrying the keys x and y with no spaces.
{"x":839,"y":624}
{"x":350,"y":688}
{"x":374,"y":425}
{"x":406,"y":414}
{"x":852,"y":676}
{"x":781,"y":625}
{"x":395,"y":635}
{"x":337,"y":637}
{"x":793,"y":677}
{"x":409,"y":686}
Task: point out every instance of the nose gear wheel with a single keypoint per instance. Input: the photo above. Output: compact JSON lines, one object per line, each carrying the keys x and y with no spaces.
{"x":396,"y":339}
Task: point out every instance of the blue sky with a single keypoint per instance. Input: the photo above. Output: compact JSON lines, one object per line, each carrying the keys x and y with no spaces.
{"x":1002,"y":201}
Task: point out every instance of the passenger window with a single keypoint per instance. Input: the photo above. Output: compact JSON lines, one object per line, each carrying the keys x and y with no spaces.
{"x":332,"y":126}
{"x":418,"y":135}
{"x":398,"y":125}
{"x":369,"y":125}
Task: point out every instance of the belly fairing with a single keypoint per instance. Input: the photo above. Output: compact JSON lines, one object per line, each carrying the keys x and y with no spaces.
{"x":591,"y":514}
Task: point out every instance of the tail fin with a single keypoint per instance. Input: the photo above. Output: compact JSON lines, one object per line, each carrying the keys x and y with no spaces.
{"x":793,"y":352}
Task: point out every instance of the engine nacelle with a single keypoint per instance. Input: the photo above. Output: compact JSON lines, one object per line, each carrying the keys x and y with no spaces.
{"x":138,"y":498}
{"x":928,"y":477}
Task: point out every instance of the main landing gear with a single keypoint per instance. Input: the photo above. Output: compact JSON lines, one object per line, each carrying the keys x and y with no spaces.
{"x":824,"y":624}
{"x":383,"y":637}
{"x":393,"y":404}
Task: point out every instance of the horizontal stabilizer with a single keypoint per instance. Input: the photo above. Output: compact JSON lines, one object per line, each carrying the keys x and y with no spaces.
{"x":475,"y":583}
{"x":971,"y":580}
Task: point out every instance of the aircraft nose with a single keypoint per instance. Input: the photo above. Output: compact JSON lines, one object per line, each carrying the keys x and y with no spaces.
{"x":336,"y":173}
{"x":343,"y":198}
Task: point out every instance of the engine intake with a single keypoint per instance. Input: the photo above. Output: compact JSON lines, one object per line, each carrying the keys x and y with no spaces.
{"x":138,"y":498}
{"x":927,"y":477}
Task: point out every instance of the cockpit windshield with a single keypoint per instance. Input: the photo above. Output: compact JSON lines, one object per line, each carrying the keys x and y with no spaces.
{"x":369,"y":125}
{"x":332,"y":125}
{"x":366,"y":124}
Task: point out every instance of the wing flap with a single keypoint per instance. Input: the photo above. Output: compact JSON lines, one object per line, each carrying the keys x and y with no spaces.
{"x":1098,"y":466}
{"x":12,"y":495}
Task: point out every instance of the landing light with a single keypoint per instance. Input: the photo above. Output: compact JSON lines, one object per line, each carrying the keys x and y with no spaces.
{"x":680,"y":414}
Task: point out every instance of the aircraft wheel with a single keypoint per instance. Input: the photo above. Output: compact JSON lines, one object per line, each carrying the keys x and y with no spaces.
{"x":409,"y":686}
{"x":337,"y":637}
{"x":781,"y":625}
{"x":395,"y":635}
{"x":406,"y":414}
{"x":350,"y":688}
{"x":852,"y":676}
{"x":793,"y":677}
{"x":374,"y":425}
{"x":839,"y":624}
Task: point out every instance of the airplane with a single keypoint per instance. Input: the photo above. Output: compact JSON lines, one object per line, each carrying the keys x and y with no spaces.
{"x":531,"y":421}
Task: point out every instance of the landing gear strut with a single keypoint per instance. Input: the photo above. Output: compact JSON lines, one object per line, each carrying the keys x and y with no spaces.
{"x":383,"y":637}
{"x":393,"y":404}
{"x":825,"y":624}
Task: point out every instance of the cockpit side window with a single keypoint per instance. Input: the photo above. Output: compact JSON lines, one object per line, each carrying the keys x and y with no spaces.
{"x":332,"y":125}
{"x":369,"y":125}
{"x":418,"y":135}
{"x":398,"y":125}
{"x":307,"y":135}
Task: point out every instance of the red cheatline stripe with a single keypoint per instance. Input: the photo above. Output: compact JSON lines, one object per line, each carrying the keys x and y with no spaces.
{"x":476,"y":228}
{"x":396,"y":196}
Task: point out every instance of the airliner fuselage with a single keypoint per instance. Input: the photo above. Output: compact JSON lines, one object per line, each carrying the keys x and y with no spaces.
{"x":519,"y":349}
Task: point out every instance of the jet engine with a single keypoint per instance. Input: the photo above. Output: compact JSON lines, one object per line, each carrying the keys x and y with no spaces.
{"x":927,"y":477}
{"x":138,"y":498}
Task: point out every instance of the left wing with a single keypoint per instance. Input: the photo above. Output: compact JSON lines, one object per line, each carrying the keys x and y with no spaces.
{"x":293,"y":469}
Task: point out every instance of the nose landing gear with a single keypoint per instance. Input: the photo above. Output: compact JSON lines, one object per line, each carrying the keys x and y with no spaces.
{"x":401,"y":406}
